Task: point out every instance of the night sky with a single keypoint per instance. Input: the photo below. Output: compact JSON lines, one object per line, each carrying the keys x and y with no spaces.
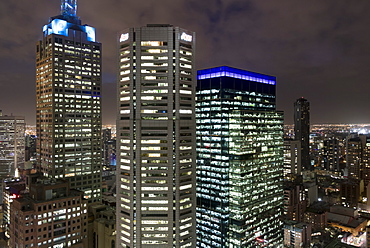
{"x":318,"y":49}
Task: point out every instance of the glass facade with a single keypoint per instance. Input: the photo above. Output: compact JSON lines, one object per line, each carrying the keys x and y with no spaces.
{"x":239,"y":160}
{"x":156,"y":138}
{"x":68,"y":104}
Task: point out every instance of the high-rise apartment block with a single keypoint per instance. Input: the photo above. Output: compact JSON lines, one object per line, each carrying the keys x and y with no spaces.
{"x":68,"y":98}
{"x":302,"y":130}
{"x":357,"y":158}
{"x":12,"y":145}
{"x":239,"y":160}
{"x":156,"y":138}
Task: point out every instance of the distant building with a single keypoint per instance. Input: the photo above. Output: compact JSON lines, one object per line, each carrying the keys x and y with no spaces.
{"x":317,"y":215}
{"x":31,"y":148}
{"x":332,"y":154}
{"x":302,"y":130}
{"x":52,"y":215}
{"x":350,"y":192}
{"x":109,"y":148}
{"x":12,"y":145}
{"x":347,"y":219}
{"x":292,"y":157}
{"x":358,"y":158}
{"x":353,"y":157}
{"x":295,"y":201}
{"x":297,"y":235}
{"x":239,"y":159}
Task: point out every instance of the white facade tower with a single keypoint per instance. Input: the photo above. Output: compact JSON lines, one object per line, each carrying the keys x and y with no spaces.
{"x":156,"y":138}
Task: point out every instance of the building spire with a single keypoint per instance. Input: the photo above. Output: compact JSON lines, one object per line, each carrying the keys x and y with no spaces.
{"x":68,"y":8}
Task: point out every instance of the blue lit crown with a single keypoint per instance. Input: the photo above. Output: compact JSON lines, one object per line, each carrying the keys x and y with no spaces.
{"x":68,"y":20}
{"x":68,"y":8}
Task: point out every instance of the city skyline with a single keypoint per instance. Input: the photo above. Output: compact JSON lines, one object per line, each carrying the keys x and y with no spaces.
{"x":314,"y":49}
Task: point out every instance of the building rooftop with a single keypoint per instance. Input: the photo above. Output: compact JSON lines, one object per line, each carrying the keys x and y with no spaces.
{"x":226,"y":71}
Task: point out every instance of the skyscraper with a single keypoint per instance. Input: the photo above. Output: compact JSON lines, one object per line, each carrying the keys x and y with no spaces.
{"x":12,"y":145}
{"x":156,"y":138}
{"x":302,"y":130}
{"x":68,"y":86}
{"x":239,"y":160}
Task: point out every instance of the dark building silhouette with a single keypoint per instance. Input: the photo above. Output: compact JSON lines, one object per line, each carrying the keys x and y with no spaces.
{"x":332,"y":153}
{"x":302,"y":130}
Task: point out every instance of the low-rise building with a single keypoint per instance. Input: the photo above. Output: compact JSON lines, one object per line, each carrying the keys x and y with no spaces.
{"x":102,"y":226}
{"x":297,"y":235}
{"x":51,"y":215}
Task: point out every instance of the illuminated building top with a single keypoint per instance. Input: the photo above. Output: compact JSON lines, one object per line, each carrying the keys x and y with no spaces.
{"x":68,"y":8}
{"x":68,"y":20}
{"x":226,"y":71}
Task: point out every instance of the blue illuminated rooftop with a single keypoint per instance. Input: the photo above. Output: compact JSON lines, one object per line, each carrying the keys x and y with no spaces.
{"x":226,"y":71}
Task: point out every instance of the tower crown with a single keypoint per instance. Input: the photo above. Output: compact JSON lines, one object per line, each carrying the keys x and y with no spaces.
{"x":68,"y":8}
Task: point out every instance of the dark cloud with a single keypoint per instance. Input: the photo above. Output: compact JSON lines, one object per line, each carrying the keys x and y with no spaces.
{"x":317,"y":49}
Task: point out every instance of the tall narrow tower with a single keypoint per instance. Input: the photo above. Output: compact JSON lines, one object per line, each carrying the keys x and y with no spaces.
{"x":68,"y":86}
{"x":302,"y":130}
{"x":156,"y":138}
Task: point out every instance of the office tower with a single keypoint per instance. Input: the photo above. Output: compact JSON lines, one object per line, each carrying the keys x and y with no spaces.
{"x":292,"y":157}
{"x":239,"y":160}
{"x":68,"y":85}
{"x":52,"y":215}
{"x":302,"y":130}
{"x":12,"y":145}
{"x":156,"y":138}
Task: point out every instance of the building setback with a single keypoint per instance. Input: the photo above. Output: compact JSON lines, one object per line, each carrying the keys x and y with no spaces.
{"x":156,"y":138}
{"x":68,"y":118}
{"x":239,"y":160}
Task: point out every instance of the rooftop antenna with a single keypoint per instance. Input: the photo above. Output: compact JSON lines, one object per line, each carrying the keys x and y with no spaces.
{"x":68,"y":8}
